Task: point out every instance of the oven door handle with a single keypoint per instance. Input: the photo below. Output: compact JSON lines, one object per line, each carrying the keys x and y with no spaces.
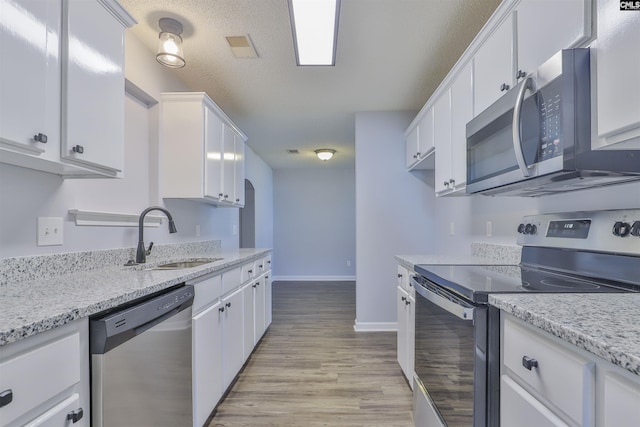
{"x":456,"y":307}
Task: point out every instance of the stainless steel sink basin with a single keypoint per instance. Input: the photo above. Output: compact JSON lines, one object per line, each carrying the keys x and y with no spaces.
{"x":178,"y":265}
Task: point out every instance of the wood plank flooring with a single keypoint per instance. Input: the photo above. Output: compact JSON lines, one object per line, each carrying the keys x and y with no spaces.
{"x":312,"y":369}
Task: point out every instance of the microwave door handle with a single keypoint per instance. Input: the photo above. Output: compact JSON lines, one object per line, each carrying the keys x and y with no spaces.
{"x":517,"y":138}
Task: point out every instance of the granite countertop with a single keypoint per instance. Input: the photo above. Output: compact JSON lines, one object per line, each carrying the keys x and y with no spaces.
{"x":599,"y":323}
{"x":34,"y":306}
{"x":481,"y":254}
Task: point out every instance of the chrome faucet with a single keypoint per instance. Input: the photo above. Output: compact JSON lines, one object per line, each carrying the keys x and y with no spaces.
{"x":141,"y":253}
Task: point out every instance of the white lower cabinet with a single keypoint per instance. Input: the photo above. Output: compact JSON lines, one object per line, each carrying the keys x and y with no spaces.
{"x":248,"y":296}
{"x":232,"y":337}
{"x":44,"y":379}
{"x":406,"y":332}
{"x":207,"y":362}
{"x":268,"y":301}
{"x":546,"y":381}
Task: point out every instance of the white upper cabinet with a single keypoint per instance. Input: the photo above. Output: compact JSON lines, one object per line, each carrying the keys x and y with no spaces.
{"x":239,"y":172}
{"x":71,"y":86}
{"x":198,"y":146}
{"x":547,"y":26}
{"x":93,"y":85}
{"x":452,"y":111}
{"x":30,"y":84}
{"x":617,"y":67}
{"x":494,"y":66}
{"x":420,"y":142}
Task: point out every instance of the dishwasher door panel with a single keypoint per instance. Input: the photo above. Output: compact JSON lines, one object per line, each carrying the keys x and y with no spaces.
{"x":147,"y":380}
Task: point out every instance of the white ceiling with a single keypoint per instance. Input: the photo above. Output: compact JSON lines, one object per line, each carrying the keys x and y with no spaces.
{"x":391,"y":55}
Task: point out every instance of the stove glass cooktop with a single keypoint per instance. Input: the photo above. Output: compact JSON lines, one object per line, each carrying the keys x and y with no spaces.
{"x":475,"y":282}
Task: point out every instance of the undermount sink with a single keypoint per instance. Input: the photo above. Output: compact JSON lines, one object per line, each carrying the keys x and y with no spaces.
{"x":178,"y":265}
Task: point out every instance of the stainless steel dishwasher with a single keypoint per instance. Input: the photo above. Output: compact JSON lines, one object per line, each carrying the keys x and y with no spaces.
{"x":141,"y":363}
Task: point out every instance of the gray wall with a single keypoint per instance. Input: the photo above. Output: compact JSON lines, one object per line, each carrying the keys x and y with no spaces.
{"x":26,"y":194}
{"x":394,"y":215}
{"x":314,"y":224}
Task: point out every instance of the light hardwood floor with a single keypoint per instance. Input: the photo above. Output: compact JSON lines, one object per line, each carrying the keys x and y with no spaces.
{"x":312,"y":369}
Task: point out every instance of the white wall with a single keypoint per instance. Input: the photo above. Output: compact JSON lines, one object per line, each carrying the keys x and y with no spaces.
{"x":394,"y":214}
{"x":261,"y":176}
{"x":26,"y":194}
{"x":314,"y":224}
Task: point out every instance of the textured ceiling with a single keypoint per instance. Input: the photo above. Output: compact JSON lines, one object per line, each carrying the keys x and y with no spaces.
{"x":391,"y":55}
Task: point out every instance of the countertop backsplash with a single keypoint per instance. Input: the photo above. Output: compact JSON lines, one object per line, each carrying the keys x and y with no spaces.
{"x":505,"y":254}
{"x":37,"y":267}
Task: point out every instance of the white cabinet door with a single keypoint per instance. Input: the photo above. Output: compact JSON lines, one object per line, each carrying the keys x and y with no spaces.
{"x":65,"y":414}
{"x":214,"y":134}
{"x":232,"y":345}
{"x":411,"y":143}
{"x":442,"y":137}
{"x":494,"y":66}
{"x":617,"y":71}
{"x":207,"y":362}
{"x":239,"y":172}
{"x":426,"y":143}
{"x":249,"y":328}
{"x":93,"y":86}
{"x":519,"y":408}
{"x":259,"y":309}
{"x":461,"y":114}
{"x":547,"y":26}
{"x":402,"y":336}
{"x":30,"y":79}
{"x":268,"y":300}
{"x":620,"y":403}
{"x":228,"y":160}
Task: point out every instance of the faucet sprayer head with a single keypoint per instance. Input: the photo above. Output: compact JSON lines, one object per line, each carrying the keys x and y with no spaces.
{"x":172,"y":227}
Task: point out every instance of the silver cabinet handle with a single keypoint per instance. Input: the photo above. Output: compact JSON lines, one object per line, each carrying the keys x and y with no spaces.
{"x":517,"y":138}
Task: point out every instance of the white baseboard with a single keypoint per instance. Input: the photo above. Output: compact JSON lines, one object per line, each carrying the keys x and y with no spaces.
{"x":314,"y":278}
{"x":375,"y":326}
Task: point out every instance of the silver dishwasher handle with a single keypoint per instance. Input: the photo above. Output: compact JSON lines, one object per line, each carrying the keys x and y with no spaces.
{"x":517,"y":138}
{"x":451,"y":304}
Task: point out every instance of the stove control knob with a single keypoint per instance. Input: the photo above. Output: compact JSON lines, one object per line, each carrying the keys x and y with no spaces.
{"x":621,"y":229}
{"x":530,"y":229}
{"x":635,"y":229}
{"x":521,"y":229}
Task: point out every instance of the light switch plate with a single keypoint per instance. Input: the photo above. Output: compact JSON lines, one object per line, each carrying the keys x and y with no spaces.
{"x":49,"y":231}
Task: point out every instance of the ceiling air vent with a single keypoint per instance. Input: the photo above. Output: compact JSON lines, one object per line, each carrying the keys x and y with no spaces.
{"x":293,"y":151}
{"x":241,"y":46}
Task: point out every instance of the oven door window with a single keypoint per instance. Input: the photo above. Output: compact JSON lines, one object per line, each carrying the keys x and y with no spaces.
{"x":444,"y":361}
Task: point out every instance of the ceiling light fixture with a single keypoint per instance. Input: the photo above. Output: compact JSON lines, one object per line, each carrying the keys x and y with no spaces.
{"x":170,"y":49}
{"x":315,"y":30}
{"x":325,"y":154}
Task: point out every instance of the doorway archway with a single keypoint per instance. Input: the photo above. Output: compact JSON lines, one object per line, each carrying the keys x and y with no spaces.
{"x":248,"y":217}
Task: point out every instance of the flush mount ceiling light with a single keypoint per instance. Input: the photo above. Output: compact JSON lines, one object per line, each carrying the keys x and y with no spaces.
{"x":170,"y":49}
{"x":325,"y":154}
{"x":315,"y":30}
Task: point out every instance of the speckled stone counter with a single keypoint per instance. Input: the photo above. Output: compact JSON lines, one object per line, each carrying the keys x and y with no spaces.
{"x":34,"y":306}
{"x":481,"y":254}
{"x":603,"y":324}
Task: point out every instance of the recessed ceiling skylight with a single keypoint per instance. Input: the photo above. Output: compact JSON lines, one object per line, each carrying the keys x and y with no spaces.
{"x":315,"y":30}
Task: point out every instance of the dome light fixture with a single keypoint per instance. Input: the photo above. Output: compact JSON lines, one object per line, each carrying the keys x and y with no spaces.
{"x":170,"y":50}
{"x":325,"y":154}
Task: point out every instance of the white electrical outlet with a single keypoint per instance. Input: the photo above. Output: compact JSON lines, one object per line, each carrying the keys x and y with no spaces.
{"x":235,"y":230}
{"x":198,"y":230}
{"x":452,"y":228}
{"x":348,"y":263}
{"x":49,"y":231}
{"x":489,"y":228}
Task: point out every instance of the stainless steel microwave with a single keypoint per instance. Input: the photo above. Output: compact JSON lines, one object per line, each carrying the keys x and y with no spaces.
{"x":536,"y":139}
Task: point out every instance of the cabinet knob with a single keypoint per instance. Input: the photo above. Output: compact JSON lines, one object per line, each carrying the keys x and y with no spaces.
{"x":41,"y":137}
{"x":446,"y":183}
{"x":529,"y":362}
{"x":78,"y":149}
{"x":226,"y":196}
{"x":504,"y":87}
{"x":266,"y":277}
{"x":221,"y":309}
{"x":220,"y":194}
{"x":6,"y":397}
{"x":407,"y":302}
{"x":399,"y":275}
{"x":237,"y":200}
{"x":418,"y":154}
{"x":403,"y":298}
{"x":268,"y":262}
{"x":228,"y":305}
{"x":250,"y":271}
{"x":75,"y":416}
{"x":520,"y":74}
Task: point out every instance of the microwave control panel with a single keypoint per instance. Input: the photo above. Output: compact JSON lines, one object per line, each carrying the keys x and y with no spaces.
{"x":549,"y":103}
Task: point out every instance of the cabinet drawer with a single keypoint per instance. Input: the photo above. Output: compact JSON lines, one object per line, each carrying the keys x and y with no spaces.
{"x":267,"y":262}
{"x":231,"y":280}
{"x":206,"y":291}
{"x":248,"y":272}
{"x":561,"y":377}
{"x":57,"y":416}
{"x":519,"y":408}
{"x":38,"y":375}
